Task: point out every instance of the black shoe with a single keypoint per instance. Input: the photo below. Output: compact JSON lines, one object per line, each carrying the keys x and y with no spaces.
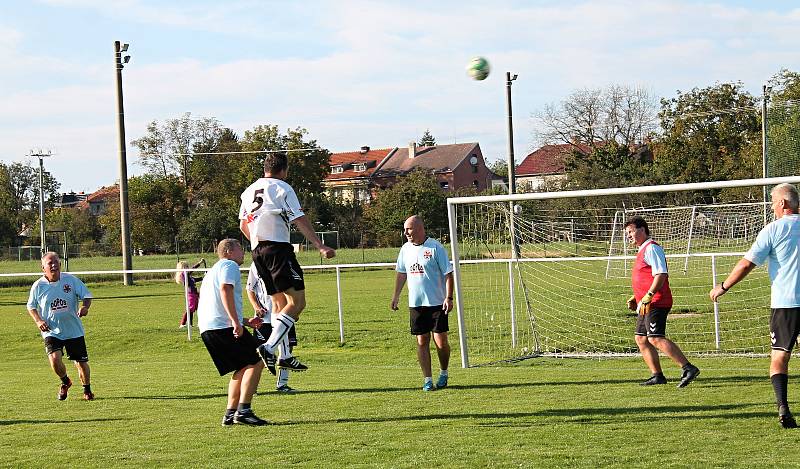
{"x":248,"y":418}
{"x":267,"y":357}
{"x":227,"y":419}
{"x":786,"y":418}
{"x":286,"y":389}
{"x":655,"y":379}
{"x":688,"y":376}
{"x":292,"y":363}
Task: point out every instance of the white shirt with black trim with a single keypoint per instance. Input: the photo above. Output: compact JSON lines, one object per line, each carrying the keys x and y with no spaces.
{"x":269,"y":205}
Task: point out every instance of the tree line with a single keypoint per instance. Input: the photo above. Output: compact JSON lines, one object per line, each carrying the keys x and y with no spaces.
{"x":196,"y":168}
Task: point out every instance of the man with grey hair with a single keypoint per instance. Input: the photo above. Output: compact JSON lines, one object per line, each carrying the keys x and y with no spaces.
{"x":231,"y":346}
{"x":779,"y":243}
{"x":53,"y":306}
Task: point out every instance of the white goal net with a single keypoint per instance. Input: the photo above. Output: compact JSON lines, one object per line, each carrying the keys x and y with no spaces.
{"x":549,"y":273}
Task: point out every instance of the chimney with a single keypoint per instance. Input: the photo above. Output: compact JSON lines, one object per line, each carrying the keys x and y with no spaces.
{"x":364,"y":150}
{"x":412,"y":149}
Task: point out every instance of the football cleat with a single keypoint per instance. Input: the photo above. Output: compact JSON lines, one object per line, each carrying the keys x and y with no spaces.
{"x":786,"y":418}
{"x":441,"y":382}
{"x":655,"y":379}
{"x":286,"y":389}
{"x":267,"y":357}
{"x":62,"y":390}
{"x":227,"y":419}
{"x":248,"y":418}
{"x":688,"y":376}
{"x":88,"y":396}
{"x":428,"y":386}
{"x":292,"y":363}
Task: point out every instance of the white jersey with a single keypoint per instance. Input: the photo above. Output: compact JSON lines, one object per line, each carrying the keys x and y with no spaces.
{"x":256,"y":285}
{"x":269,"y":205}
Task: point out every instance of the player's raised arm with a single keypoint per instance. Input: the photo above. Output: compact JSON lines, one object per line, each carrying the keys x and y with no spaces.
{"x":305,"y":227}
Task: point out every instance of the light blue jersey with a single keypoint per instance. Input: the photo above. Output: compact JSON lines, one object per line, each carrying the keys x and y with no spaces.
{"x":210,"y":311}
{"x":779,"y":242}
{"x":425,"y":267}
{"x":57,"y":304}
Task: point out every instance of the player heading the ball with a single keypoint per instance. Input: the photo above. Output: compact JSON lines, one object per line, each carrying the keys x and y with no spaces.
{"x":268,"y":206}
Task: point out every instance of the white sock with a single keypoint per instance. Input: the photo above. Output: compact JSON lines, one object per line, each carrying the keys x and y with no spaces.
{"x":283,"y":377}
{"x":442,"y":372}
{"x":427,"y":380}
{"x":283,"y":345}
{"x":280,"y":327}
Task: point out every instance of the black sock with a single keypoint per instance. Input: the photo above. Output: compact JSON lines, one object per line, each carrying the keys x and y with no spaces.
{"x":243,"y":407}
{"x":659,"y":374}
{"x":229,"y":412}
{"x":65,"y":380}
{"x":780,"y":383}
{"x":687,"y":366}
{"x":87,"y":388}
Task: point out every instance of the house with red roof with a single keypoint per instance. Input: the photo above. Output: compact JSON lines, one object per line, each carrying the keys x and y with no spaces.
{"x":98,"y":201}
{"x":357,"y":175}
{"x":547,"y":164}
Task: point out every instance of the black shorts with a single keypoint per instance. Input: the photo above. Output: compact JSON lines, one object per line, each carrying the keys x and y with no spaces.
{"x":278,"y":267}
{"x":229,"y":353}
{"x":653,"y":324}
{"x":425,"y":319}
{"x":263,"y":333}
{"x":76,"y":348}
{"x":784,"y":325}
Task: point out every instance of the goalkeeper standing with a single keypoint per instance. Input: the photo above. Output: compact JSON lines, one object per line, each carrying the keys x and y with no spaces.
{"x":652,"y":300}
{"x":778,"y":242}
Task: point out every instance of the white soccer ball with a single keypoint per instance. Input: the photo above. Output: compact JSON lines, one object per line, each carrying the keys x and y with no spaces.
{"x":478,"y":68}
{"x":517,"y":209}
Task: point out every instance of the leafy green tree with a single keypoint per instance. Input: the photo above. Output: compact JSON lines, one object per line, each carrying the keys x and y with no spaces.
{"x":416,"y":193}
{"x":80,"y":225}
{"x":783,"y":129}
{"x":427,"y":139}
{"x":709,"y":134}
{"x":499,"y":167}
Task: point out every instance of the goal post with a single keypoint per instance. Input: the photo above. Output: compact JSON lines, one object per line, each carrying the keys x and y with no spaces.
{"x":554,"y":294}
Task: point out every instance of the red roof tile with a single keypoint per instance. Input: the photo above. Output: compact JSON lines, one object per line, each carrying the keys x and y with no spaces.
{"x":351,"y":158}
{"x":548,"y":159}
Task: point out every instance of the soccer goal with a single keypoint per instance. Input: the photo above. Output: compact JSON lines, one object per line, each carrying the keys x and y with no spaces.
{"x":548,"y":273}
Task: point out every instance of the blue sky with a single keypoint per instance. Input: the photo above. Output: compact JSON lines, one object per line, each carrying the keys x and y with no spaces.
{"x":354,"y":72}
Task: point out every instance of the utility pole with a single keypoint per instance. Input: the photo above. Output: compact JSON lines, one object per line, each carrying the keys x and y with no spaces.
{"x":125,"y":229}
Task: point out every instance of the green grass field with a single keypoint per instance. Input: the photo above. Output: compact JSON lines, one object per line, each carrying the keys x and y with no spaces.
{"x":160,"y":401}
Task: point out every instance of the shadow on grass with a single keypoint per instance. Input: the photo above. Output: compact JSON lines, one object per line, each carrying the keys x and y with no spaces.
{"x":33,"y":421}
{"x":171,"y":398}
{"x":647,"y":415}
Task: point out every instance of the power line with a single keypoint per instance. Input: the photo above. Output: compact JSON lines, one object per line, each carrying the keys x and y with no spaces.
{"x":229,"y":152}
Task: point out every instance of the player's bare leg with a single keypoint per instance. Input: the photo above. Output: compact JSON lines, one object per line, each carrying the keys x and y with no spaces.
{"x":674,"y":352}
{"x":443,"y":351}
{"x":85,"y":375}
{"x":650,"y":357}
{"x":424,"y":359}
{"x":57,"y":364}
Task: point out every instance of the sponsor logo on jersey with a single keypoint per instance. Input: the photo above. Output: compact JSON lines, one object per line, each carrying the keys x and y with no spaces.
{"x":67,"y":288}
{"x":427,"y":254}
{"x":59,"y":305}
{"x":416,"y":269}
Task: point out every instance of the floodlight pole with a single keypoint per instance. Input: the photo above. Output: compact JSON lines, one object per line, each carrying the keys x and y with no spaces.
{"x":512,"y":184}
{"x":764,"y":166}
{"x":125,"y":229}
{"x":40,"y":154}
